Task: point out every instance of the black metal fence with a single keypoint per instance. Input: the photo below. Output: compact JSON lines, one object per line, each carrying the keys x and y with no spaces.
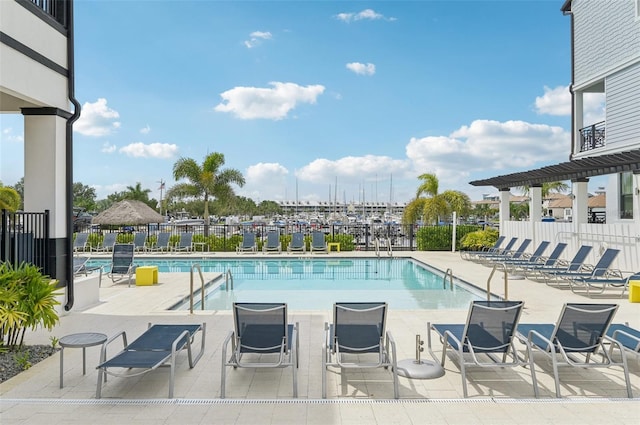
{"x":401,"y":238}
{"x":24,"y":237}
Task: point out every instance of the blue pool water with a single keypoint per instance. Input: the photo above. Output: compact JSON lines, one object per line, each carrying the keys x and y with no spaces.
{"x":315,"y":284}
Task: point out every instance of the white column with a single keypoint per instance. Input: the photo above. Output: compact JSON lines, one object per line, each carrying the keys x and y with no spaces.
{"x":580,"y":206}
{"x":505,"y":212}
{"x":578,"y":121}
{"x":535,"y":211}
{"x":45,"y":162}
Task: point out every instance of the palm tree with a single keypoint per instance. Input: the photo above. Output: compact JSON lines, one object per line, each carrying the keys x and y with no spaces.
{"x":434,"y":205}
{"x":547,"y":188}
{"x":205,"y":181}
{"x":137,"y":193}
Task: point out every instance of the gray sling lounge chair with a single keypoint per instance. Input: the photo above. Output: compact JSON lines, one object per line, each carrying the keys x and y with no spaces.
{"x":488,"y":333}
{"x":108,"y":241}
{"x":600,"y":269}
{"x":185,"y":243}
{"x":80,"y":242}
{"x":481,"y":255}
{"x":536,"y":272}
{"x":466,"y":255}
{"x":318,"y":243}
{"x":248,"y":243}
{"x":157,"y":346}
{"x":162,"y":244}
{"x":575,"y":340}
{"x":358,"y":331}
{"x":297,"y":243}
{"x":273,"y":242}
{"x":626,"y":337}
{"x":140,"y":241}
{"x":263,"y":337}
{"x":122,"y":263}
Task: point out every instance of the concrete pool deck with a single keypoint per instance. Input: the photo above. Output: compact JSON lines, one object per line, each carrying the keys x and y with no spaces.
{"x":264,"y":396}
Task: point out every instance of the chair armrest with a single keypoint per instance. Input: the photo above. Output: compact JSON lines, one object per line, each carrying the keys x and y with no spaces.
{"x":103,"y":350}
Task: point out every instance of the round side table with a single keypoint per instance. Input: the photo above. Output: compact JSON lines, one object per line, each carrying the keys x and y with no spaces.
{"x":80,"y":340}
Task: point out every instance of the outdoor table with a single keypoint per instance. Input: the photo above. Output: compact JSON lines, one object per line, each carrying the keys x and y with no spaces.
{"x":79,"y":340}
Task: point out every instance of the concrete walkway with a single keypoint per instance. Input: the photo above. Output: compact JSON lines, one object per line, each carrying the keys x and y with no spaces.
{"x":264,"y":396}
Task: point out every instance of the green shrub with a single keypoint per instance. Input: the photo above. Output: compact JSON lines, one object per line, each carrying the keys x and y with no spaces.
{"x":480,"y":239}
{"x":346,"y":241}
{"x":438,"y":238}
{"x":27,"y":300}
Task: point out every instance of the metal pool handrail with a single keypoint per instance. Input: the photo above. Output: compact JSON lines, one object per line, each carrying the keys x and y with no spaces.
{"x":228,"y":277}
{"x":449,"y":273}
{"x":196,"y":266}
{"x":506,"y":282}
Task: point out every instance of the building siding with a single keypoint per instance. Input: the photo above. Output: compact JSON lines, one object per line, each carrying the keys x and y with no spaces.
{"x":605,"y":36}
{"x":623,"y":109}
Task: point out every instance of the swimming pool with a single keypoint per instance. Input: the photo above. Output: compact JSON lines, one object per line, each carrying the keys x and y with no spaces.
{"x":315,"y":284}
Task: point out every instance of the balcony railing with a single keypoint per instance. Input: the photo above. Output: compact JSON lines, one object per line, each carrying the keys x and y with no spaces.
{"x":57,"y":9}
{"x":592,"y":137}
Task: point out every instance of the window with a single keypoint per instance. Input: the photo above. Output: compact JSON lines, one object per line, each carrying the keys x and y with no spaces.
{"x":626,"y":195}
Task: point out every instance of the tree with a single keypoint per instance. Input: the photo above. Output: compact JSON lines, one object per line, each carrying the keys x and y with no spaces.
{"x":84,"y":196}
{"x":137,"y":193}
{"x":433,"y":206}
{"x":207,"y":180}
{"x":9,"y":199}
{"x":547,"y":188}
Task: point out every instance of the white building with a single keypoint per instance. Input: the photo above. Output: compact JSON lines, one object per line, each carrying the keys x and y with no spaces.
{"x":36,"y":81}
{"x":605,"y":50}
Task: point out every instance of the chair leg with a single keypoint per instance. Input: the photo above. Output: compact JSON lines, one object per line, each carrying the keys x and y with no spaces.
{"x":532,"y":366}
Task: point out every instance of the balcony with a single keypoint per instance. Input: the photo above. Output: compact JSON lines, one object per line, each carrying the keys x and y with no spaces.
{"x":56,"y":9}
{"x":592,"y":137}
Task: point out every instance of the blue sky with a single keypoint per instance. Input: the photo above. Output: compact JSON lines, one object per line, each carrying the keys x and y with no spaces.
{"x":302,"y":94}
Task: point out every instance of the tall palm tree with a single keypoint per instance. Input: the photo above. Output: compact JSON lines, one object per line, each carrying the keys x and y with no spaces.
{"x":137,"y":193}
{"x":547,"y":188}
{"x":431,"y":207}
{"x":206,"y":180}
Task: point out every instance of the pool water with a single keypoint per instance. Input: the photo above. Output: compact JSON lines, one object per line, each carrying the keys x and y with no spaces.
{"x":315,"y":284}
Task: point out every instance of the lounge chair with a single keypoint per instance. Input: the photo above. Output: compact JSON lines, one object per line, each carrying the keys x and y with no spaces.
{"x":318,"y":244}
{"x":480,"y":255}
{"x":550,"y":261}
{"x":80,"y":242}
{"x":273,"y":242}
{"x":297,"y":243}
{"x":108,"y":241}
{"x":140,"y":241}
{"x":579,"y":331}
{"x":185,"y":243}
{"x":536,"y":272}
{"x":122,"y":263}
{"x":163,"y":243}
{"x":358,"y":331}
{"x":533,"y":258}
{"x":466,"y":255}
{"x":248,"y":243}
{"x":625,"y":338}
{"x":263,"y":335}
{"x":507,"y":255}
{"x":487,"y":337}
{"x":599,"y":285}
{"x":157,"y":346}
{"x":600,"y":269}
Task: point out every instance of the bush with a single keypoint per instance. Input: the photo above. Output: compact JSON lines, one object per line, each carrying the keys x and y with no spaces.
{"x":438,"y":238}
{"x":480,"y":239}
{"x":27,"y":300}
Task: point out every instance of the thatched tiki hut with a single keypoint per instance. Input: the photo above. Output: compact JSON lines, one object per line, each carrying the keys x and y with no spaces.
{"x":128,"y":212}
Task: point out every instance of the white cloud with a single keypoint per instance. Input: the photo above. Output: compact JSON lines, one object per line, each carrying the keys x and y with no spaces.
{"x":8,"y":136}
{"x":264,"y":181}
{"x":351,"y":169}
{"x":557,"y":101}
{"x":366,"y":14}
{"x":268,"y":103}
{"x":145,"y":130}
{"x":256,"y":38}
{"x":361,"y":68}
{"x":263,"y":172}
{"x":97,"y":119}
{"x":489,"y":145}
{"x":108,"y":148}
{"x":152,"y":150}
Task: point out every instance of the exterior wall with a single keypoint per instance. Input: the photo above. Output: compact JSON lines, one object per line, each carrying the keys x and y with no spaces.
{"x":606,"y":37}
{"x":623,"y":109}
{"x":24,"y":77}
{"x":623,"y":236}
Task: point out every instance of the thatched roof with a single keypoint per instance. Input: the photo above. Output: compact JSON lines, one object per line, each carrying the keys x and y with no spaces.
{"x":128,"y":212}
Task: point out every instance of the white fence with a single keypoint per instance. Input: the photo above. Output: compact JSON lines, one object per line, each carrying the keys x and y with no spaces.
{"x":624,"y":237}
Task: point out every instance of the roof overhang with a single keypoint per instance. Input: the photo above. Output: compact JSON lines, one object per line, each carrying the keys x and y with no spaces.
{"x":573,"y":170}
